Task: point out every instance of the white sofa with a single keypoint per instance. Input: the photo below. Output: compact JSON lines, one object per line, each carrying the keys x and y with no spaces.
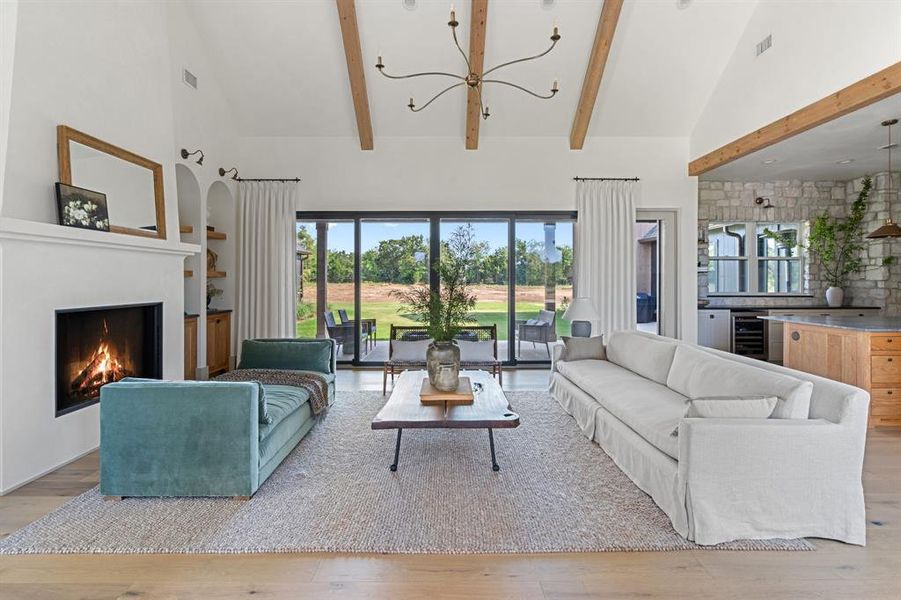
{"x":796,"y":474}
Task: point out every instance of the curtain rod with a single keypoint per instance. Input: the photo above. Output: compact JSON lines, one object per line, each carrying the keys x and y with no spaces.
{"x":606,"y":179}
{"x":295,"y":180}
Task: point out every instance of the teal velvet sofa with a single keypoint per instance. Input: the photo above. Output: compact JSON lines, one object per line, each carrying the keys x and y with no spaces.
{"x":207,"y":438}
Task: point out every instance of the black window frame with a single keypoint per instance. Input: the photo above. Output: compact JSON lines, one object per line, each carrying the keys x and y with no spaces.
{"x":434,"y":218}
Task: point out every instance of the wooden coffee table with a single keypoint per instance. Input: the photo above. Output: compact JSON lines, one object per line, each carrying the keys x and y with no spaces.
{"x":489,"y":410}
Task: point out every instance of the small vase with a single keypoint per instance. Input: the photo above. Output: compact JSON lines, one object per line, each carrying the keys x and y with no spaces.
{"x":835,"y":296}
{"x":442,"y":361}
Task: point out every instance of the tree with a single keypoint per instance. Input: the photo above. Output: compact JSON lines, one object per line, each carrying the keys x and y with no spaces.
{"x":340,"y":266}
{"x":400,"y":260}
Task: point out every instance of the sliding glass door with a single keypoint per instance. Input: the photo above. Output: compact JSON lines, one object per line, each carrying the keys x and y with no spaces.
{"x":394,"y":258}
{"x":325,"y":289}
{"x":544,"y":285}
{"x":484,"y":245}
{"x":355,"y":268}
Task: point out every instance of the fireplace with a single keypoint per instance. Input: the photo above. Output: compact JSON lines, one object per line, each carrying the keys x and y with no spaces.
{"x":96,"y":346}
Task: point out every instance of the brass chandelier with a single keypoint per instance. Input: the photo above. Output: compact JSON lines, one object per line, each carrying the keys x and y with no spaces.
{"x":474,"y":80}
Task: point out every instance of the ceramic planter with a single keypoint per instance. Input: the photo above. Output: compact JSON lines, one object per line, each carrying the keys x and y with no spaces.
{"x":442,"y":361}
{"x":835,"y":296}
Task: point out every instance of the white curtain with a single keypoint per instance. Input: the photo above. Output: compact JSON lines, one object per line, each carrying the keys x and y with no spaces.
{"x":605,"y":253}
{"x":266,"y":260}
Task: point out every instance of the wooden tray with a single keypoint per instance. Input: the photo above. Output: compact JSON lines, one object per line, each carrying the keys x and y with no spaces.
{"x":428,"y":395}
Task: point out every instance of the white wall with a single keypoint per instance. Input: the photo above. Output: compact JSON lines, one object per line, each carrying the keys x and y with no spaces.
{"x":8,"y":24}
{"x":504,"y":174}
{"x":819,"y":47}
{"x":100,"y":67}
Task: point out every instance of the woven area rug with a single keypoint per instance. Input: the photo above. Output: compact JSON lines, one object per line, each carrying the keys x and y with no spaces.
{"x":556,"y":492}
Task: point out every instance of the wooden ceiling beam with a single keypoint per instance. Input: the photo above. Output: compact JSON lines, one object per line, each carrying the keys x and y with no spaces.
{"x":600,"y":50}
{"x":350,"y":34}
{"x":874,"y":88}
{"x":478,"y":20}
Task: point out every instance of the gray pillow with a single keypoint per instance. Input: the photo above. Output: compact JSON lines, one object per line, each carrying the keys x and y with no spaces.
{"x":582,"y":348}
{"x":730,"y":407}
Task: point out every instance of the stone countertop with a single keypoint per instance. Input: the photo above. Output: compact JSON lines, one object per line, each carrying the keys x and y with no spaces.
{"x":869,"y":324}
{"x":749,"y":307}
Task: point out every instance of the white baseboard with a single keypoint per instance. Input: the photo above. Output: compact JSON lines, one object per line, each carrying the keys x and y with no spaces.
{"x":6,"y":491}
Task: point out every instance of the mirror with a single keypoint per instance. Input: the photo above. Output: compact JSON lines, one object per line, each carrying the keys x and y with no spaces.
{"x":133,"y":185}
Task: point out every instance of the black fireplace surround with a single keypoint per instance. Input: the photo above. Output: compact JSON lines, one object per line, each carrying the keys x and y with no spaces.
{"x":99,"y":345}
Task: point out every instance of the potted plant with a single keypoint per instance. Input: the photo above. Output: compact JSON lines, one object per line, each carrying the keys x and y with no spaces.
{"x":445,"y":311}
{"x":211,"y":292}
{"x":837,"y":244}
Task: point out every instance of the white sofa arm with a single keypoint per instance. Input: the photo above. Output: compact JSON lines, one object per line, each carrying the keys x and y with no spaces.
{"x":556,"y":354}
{"x":771,"y":478}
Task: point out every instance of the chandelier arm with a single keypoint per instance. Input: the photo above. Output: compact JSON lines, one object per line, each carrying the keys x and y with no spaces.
{"x":519,"y":60}
{"x":438,"y":95}
{"x":457,"y":43}
{"x":481,"y":106}
{"x":411,"y":75}
{"x":519,"y":87}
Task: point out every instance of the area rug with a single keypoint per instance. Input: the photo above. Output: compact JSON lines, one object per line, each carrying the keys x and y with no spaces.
{"x":556,"y":492}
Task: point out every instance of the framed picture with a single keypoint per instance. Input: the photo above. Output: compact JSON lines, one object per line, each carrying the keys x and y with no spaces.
{"x":78,"y":207}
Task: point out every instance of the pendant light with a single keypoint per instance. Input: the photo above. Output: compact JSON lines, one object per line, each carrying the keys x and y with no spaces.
{"x":890,"y":229}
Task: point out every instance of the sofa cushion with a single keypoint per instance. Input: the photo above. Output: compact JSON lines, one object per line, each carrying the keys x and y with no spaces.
{"x":290,"y":409}
{"x":409,"y":351}
{"x":476,"y":351}
{"x":648,"y":355}
{"x":583,"y":348}
{"x":651,"y":410}
{"x":297,"y":355}
{"x":697,"y":374}
{"x":281,"y":401}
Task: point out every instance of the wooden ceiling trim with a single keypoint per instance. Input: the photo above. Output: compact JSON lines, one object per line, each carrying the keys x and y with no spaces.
{"x":600,"y":50}
{"x":874,"y":88}
{"x":350,"y":35}
{"x":478,"y":21}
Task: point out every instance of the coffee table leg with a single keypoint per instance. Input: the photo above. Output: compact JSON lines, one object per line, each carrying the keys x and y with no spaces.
{"x":393,"y":466}
{"x":494,"y":465}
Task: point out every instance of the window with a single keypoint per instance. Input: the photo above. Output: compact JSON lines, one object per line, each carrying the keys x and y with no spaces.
{"x":744,"y":260}
{"x":520,"y":269}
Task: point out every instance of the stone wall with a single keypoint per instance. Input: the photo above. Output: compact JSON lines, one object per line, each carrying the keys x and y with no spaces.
{"x":792,"y":201}
{"x":800,"y":201}
{"x":877,"y":285}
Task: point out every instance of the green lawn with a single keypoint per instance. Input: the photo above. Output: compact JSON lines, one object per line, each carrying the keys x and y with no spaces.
{"x":385,"y":313}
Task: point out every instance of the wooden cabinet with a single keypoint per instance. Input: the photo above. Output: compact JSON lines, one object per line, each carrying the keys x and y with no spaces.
{"x":871,"y":361}
{"x":715,"y":329}
{"x":776,"y":345}
{"x":218,"y":341}
{"x":190,"y":347}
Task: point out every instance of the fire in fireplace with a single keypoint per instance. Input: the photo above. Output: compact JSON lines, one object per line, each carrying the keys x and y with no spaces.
{"x":96,"y":346}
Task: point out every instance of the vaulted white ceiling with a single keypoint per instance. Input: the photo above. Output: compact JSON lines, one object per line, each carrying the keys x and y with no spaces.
{"x":281,"y":65}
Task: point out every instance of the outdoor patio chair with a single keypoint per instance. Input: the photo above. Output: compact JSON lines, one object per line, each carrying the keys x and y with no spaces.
{"x":368,"y":325}
{"x":342,"y":333}
{"x":542,"y":330}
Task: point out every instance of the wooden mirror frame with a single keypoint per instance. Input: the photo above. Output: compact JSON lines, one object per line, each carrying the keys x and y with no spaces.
{"x":65,"y":135}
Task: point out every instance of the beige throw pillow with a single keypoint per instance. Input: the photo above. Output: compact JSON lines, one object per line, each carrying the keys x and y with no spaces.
{"x":730,"y":407}
{"x":582,"y":348}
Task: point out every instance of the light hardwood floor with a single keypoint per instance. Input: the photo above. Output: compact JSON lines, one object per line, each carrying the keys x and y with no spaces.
{"x":833,"y":571}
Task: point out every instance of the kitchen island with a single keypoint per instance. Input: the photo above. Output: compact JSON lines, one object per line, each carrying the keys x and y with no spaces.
{"x":864,"y":351}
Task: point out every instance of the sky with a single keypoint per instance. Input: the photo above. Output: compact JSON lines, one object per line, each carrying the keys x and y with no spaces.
{"x":341,"y":234}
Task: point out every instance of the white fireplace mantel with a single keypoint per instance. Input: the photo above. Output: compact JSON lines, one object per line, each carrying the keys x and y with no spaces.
{"x":48,"y":233}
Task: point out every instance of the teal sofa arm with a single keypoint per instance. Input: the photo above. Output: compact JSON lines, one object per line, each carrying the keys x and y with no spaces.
{"x":161,"y":438}
{"x":295,"y":354}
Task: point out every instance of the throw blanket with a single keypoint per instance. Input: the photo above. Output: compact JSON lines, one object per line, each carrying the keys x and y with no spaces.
{"x":314,"y":383}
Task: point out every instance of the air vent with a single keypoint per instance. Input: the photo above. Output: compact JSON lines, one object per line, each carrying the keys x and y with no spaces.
{"x":189,"y":78}
{"x":764,"y":44}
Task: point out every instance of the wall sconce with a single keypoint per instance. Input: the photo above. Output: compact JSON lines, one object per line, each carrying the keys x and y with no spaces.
{"x":185,"y":154}
{"x":223,"y":172}
{"x":763,"y":202}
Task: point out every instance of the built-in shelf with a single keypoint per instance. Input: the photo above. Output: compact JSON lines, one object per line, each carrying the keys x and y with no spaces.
{"x":215,"y":235}
{"x":215,"y":274}
{"x":186,"y":229}
{"x":189,"y":273}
